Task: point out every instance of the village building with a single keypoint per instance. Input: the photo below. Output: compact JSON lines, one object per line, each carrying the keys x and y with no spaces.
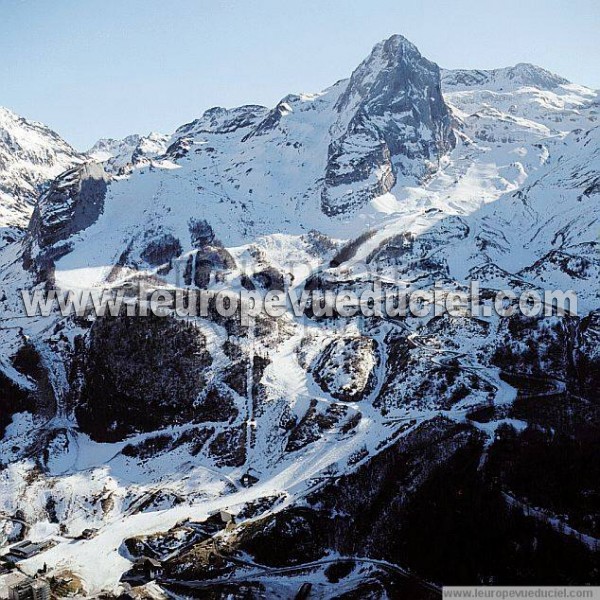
{"x":150,"y":567}
{"x":88,"y":534}
{"x":248,"y":480}
{"x":25,"y":549}
{"x":227,"y":517}
{"x":29,"y":589}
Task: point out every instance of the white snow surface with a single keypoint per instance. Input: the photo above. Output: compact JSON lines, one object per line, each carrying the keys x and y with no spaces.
{"x":31,"y":155}
{"x":528,"y":144}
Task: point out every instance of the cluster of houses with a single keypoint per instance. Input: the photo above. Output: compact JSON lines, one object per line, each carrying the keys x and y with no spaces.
{"x":14,"y":584}
{"x":147,"y":568}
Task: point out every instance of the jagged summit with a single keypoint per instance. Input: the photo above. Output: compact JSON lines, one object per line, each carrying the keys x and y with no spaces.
{"x":394,"y":122}
{"x":120,"y":154}
{"x":119,"y":436}
{"x":381,"y":68}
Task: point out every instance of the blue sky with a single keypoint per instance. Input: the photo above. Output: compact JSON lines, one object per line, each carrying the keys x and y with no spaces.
{"x":107,"y":68}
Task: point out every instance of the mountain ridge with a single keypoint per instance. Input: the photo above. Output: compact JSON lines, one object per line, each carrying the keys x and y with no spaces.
{"x":336,"y":442}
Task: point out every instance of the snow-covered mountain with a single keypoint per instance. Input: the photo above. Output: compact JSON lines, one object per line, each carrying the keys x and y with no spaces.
{"x":338,"y":443}
{"x":506,"y":79}
{"x":118,"y":156}
{"x":391,"y":122}
{"x":31,"y":155}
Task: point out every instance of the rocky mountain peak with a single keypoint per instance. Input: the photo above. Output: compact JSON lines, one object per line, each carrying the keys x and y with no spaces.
{"x":534,"y":75}
{"x":119,"y":155}
{"x":383,"y":70}
{"x":357,"y":438}
{"x":72,"y":203}
{"x":392,"y":120}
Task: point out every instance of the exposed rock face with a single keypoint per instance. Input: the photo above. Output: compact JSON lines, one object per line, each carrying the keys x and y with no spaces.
{"x":74,"y":201}
{"x":201,"y":233}
{"x":161,"y":249}
{"x":273,"y":119}
{"x":346,"y":370}
{"x":393,"y":122}
{"x":356,"y":437}
{"x":200,"y":265}
{"x":222,"y":120}
{"x":123,"y":392}
{"x":13,"y":399}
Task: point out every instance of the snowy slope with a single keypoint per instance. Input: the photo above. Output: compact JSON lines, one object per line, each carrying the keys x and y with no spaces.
{"x":132,"y":427}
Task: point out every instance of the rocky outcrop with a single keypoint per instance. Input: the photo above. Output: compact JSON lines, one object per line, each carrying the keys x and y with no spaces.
{"x":201,"y":264}
{"x":201,"y":233}
{"x":392,"y":120}
{"x":74,"y":201}
{"x":123,"y":392}
{"x":161,"y":249}
{"x":221,"y":120}
{"x":522,"y":74}
{"x":346,"y":369}
{"x":13,"y":399}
